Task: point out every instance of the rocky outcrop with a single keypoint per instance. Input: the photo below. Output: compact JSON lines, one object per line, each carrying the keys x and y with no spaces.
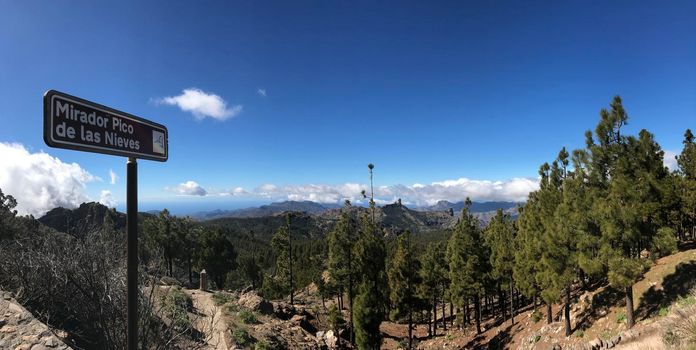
{"x":253,"y":302}
{"x":20,"y":330}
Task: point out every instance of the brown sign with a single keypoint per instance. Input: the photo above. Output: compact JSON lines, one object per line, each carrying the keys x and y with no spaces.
{"x":74,"y":123}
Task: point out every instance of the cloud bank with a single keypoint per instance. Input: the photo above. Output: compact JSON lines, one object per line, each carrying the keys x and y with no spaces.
{"x":515,"y":189}
{"x":202,"y":104}
{"x":39,"y":181}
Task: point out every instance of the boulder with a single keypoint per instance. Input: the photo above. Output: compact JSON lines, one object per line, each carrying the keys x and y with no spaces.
{"x":284,"y":311}
{"x":331,"y":340}
{"x":254,"y":302}
{"x":303,"y":322}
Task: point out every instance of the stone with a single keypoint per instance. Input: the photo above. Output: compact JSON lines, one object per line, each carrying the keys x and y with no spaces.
{"x":595,"y":344}
{"x":330,"y":339}
{"x":39,"y":347}
{"x":616,"y":339}
{"x":556,"y":346}
{"x":254,"y":302}
{"x":8,"y":329}
{"x":51,"y":342}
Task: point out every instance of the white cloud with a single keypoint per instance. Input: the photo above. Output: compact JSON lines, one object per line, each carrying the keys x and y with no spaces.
{"x":113,"y":177}
{"x":191,"y":188}
{"x":261,"y":92}
{"x":107,"y":198}
{"x":202,"y":104}
{"x":515,"y":189}
{"x":669,"y":161}
{"x":39,"y":181}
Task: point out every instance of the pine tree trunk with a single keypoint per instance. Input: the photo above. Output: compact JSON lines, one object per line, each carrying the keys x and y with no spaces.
{"x":477,"y":305}
{"x":501,"y":301}
{"x":549,"y":311}
{"x":444,"y":319}
{"x":467,"y":317}
{"x":410,"y":329}
{"x":629,"y":307}
{"x":451,"y":315}
{"x":512,"y":310}
{"x":534,"y":302}
{"x":435,"y":312}
{"x":566,"y":311}
{"x":351,"y":335}
{"x":190,"y":273}
{"x":431,"y":325}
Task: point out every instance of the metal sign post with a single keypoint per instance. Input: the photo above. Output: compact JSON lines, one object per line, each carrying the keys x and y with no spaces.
{"x":74,"y":123}
{"x":132,"y":252}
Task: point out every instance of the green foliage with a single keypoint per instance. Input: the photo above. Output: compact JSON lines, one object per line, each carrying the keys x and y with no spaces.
{"x":664,"y":311}
{"x":335,"y":318}
{"x":262,"y":345}
{"x":241,"y":337}
{"x":230,"y":308}
{"x":250,"y":270}
{"x":176,"y":305}
{"x":370,"y":301}
{"x":500,"y":237}
{"x":216,"y":255}
{"x":467,"y":259}
{"x":220,"y":298}
{"x":579,"y":333}
{"x":247,"y":317}
{"x":537,"y":338}
{"x":664,"y":242}
{"x":281,"y":280}
{"x":8,"y":216}
{"x":536,"y":316}
{"x":403,"y":278}
{"x":620,"y":317}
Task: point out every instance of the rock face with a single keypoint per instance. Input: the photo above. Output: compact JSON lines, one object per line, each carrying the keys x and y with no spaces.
{"x":254,"y":302}
{"x":20,"y":330}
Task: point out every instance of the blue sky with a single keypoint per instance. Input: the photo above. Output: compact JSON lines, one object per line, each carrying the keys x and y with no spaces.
{"x":456,"y":98}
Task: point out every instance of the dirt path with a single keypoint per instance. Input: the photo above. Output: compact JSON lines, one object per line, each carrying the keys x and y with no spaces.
{"x":210,"y":320}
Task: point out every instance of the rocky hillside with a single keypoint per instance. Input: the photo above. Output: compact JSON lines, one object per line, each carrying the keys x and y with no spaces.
{"x":88,"y":217}
{"x":20,"y":330}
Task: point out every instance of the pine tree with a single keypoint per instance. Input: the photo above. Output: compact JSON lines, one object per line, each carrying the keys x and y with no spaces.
{"x":432,"y":274}
{"x":687,"y":170}
{"x":468,"y":263}
{"x":370,"y":254}
{"x":341,"y":261}
{"x":500,"y":237}
{"x":528,"y":247}
{"x":163,"y":237}
{"x":403,"y":282}
{"x":282,"y":280}
{"x":217,"y":256}
{"x":631,"y":174}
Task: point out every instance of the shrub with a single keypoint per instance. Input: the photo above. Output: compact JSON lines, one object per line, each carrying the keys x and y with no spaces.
{"x":686,"y":301}
{"x":221,"y":298}
{"x":176,"y":305}
{"x":241,"y":337}
{"x":664,"y":311}
{"x":579,"y":333}
{"x":621,"y":317}
{"x":537,"y":338}
{"x":230,"y":308}
{"x":536,"y":316}
{"x":247,"y":317}
{"x":262,"y":345}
